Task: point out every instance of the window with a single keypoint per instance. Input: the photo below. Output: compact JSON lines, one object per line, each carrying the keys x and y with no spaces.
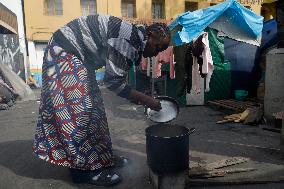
{"x":158,"y":9}
{"x":128,"y":8}
{"x":248,"y":7}
{"x":88,"y":7}
{"x":191,"y":6}
{"x":53,"y":7}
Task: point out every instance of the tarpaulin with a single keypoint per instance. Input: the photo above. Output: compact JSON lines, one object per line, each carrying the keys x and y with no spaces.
{"x":269,"y":34}
{"x":220,"y":83}
{"x":194,"y":23}
{"x":244,"y":60}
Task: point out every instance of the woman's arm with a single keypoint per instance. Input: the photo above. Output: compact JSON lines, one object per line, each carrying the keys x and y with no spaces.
{"x":146,"y":100}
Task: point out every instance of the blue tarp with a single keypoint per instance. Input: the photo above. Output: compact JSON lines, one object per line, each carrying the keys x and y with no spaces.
{"x":269,"y":34}
{"x":193,"y":23}
{"x":244,"y":68}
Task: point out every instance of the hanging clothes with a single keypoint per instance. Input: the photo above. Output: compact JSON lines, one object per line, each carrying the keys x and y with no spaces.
{"x":197,"y":50}
{"x":179,"y":56}
{"x":188,"y":67}
{"x":207,"y":66}
{"x":166,"y":56}
{"x":195,"y":75}
{"x":202,"y":62}
{"x":144,"y":63}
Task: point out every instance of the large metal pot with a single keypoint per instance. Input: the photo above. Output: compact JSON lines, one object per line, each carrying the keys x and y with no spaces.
{"x":167,"y":148}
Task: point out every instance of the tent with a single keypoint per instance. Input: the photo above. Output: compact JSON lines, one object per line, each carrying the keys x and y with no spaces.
{"x":227,"y":20}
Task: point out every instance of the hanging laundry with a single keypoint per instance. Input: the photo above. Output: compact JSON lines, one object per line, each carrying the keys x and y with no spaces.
{"x":195,"y":76}
{"x":144,"y":63}
{"x":188,"y":67}
{"x":207,"y":66}
{"x":202,"y":62}
{"x":154,"y":64}
{"x":180,"y":75}
{"x":197,"y":61}
{"x":165,"y":57}
{"x":197,"y":50}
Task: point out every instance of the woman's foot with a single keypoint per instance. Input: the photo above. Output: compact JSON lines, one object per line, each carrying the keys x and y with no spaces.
{"x":102,"y":177}
{"x":107,"y":177}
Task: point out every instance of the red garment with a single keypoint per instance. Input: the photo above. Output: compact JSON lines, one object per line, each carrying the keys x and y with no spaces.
{"x":164,"y":57}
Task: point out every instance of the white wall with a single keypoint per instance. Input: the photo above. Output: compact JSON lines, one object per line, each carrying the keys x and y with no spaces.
{"x":32,"y":57}
{"x":36,"y":51}
{"x":16,"y":7}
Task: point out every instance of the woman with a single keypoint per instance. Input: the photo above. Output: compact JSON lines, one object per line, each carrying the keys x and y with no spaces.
{"x":72,"y":128}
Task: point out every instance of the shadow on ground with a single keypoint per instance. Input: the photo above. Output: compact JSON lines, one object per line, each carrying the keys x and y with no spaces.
{"x":20,"y":160}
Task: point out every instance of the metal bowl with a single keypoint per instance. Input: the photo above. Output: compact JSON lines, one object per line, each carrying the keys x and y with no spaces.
{"x":169,"y":111}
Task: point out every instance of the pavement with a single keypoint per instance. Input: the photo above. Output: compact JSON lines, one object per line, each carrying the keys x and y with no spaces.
{"x":20,"y":169}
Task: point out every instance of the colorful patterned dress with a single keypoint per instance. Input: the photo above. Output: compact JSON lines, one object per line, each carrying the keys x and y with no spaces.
{"x":72,"y":127}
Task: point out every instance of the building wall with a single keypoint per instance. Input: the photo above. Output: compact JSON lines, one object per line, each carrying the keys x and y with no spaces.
{"x":10,"y":54}
{"x":143,"y":8}
{"x":40,"y":27}
{"x":174,"y":8}
{"x":16,"y":7}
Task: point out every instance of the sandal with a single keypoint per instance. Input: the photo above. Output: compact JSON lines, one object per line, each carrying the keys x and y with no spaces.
{"x":120,"y":161}
{"x":101,"y":177}
{"x":107,"y":177}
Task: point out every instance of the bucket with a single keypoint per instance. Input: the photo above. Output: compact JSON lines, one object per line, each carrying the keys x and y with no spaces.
{"x":241,"y":95}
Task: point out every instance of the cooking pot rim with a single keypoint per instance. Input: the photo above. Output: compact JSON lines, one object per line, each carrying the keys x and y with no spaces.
{"x":186,"y":133}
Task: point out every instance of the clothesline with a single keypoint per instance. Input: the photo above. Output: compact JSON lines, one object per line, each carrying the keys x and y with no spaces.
{"x":199,"y":64}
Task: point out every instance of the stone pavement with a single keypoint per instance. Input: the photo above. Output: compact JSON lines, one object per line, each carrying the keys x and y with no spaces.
{"x":19,"y":169}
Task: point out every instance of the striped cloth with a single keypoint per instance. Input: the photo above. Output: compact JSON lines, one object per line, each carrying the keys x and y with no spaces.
{"x":100,"y":40}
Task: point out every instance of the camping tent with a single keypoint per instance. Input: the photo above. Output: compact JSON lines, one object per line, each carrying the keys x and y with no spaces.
{"x":229,"y":17}
{"x":225,"y":20}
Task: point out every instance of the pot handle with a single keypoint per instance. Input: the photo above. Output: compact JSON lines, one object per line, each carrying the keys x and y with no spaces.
{"x":192,"y":130}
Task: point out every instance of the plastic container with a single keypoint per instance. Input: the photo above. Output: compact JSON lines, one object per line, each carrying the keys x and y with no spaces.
{"x":241,"y":95}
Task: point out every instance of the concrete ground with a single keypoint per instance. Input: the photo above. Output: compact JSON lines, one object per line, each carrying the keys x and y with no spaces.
{"x":20,"y":169}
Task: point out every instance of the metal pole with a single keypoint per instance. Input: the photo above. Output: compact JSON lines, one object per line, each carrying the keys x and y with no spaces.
{"x":153,"y":81}
{"x":165,"y":84}
{"x":282,"y":133}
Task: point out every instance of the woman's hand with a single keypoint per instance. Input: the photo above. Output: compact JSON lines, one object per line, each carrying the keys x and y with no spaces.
{"x":146,"y":100}
{"x":154,"y":104}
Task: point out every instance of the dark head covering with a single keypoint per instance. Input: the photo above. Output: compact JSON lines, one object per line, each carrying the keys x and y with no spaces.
{"x":160,"y":29}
